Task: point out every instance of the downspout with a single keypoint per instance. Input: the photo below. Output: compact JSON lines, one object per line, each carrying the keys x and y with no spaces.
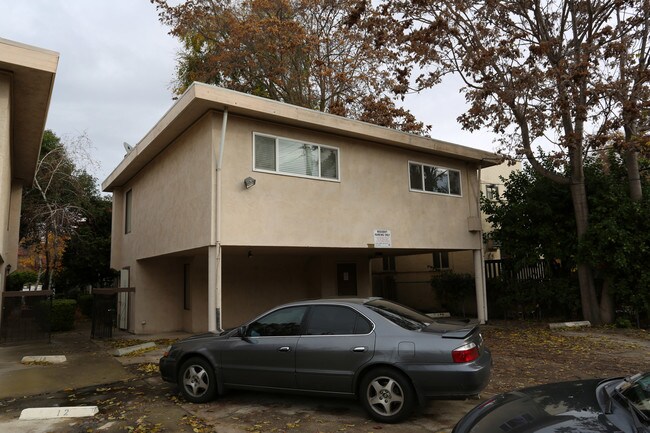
{"x":215,"y":257}
{"x":479,"y":266}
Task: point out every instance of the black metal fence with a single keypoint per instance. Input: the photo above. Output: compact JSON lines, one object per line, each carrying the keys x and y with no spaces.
{"x":26,"y":316}
{"x":105,"y":310}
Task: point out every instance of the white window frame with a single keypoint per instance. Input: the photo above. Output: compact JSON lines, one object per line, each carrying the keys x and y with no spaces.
{"x":277,"y":158}
{"x":437,"y":167}
{"x":492,"y":191}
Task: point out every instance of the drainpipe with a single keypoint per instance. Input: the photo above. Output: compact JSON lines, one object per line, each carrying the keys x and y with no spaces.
{"x":479,"y":267}
{"x":214,"y":251}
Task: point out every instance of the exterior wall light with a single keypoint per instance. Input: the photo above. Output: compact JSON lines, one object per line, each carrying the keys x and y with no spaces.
{"x":249,"y":182}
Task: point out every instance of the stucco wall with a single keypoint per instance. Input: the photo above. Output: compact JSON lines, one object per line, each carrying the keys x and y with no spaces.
{"x":5,"y":168}
{"x":373,"y":193}
{"x":170,"y":201}
{"x":172,"y":198}
{"x":159,"y":307}
{"x":253,"y":285}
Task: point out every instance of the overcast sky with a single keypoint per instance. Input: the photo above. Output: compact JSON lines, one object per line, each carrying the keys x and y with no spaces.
{"x":117,"y":63}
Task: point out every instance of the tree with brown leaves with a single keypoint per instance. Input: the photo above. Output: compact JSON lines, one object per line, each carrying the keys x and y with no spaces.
{"x":301,"y":52}
{"x":572,"y":73}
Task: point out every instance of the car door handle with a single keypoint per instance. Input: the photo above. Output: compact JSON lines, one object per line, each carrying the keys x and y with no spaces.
{"x":284,"y":349}
{"x":359,"y":349}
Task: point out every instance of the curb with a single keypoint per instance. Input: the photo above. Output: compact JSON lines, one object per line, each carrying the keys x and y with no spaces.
{"x":126,"y":350}
{"x":58,"y":412}
{"x":49,"y":359}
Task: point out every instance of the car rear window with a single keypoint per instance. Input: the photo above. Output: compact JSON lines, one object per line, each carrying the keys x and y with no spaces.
{"x":399,"y":314}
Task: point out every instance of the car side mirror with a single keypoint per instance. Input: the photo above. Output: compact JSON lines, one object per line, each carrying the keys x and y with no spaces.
{"x":242,"y":333}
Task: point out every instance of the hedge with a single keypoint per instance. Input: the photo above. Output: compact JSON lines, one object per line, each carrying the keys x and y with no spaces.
{"x":61,"y":315}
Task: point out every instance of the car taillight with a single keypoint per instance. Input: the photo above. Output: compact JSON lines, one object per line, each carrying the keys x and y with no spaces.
{"x":465,"y":353}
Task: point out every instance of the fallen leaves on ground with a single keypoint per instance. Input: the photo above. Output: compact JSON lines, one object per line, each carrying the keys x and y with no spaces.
{"x":141,"y":352}
{"x":532,"y":354}
{"x":196,"y":424}
{"x":119,"y":343}
{"x":148,"y":368}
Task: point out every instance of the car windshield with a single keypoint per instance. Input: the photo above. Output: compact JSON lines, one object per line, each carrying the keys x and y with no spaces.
{"x":403,"y":316}
{"x":636,"y":390}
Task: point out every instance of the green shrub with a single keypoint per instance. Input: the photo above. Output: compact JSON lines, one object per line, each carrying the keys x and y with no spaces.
{"x":455,"y":291}
{"x":61,"y":315}
{"x":17,"y":279}
{"x":622,"y":322}
{"x":85,"y":302}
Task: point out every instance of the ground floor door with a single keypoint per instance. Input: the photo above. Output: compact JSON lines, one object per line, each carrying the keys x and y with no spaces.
{"x":346,"y":279}
{"x":123,"y":300}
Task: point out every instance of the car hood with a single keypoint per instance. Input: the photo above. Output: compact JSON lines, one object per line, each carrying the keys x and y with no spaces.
{"x":558,"y":407}
{"x":202,"y":338}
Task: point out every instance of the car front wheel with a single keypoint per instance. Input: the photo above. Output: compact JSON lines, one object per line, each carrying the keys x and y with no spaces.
{"x":387,"y":395}
{"x":197,"y":381}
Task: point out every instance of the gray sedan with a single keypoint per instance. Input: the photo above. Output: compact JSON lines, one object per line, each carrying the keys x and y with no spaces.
{"x":387,"y":355}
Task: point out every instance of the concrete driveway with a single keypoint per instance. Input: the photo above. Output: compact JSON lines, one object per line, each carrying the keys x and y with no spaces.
{"x":128,"y":399}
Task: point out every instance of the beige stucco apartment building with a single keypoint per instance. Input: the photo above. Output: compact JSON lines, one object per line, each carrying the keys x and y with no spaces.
{"x":407,"y":278}
{"x":26,"y":80}
{"x":232,"y":204}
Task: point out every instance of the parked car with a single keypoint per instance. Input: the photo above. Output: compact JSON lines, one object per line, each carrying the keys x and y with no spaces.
{"x":595,"y":405}
{"x":387,"y":355}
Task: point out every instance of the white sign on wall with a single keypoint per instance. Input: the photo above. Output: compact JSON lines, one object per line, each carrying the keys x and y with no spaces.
{"x":382,"y":238}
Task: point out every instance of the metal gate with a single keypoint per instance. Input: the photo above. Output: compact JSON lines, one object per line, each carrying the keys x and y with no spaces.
{"x":26,"y":316}
{"x":105,"y":309}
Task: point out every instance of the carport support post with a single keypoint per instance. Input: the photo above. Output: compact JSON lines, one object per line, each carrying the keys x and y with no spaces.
{"x":214,"y":286}
{"x":479,"y":280}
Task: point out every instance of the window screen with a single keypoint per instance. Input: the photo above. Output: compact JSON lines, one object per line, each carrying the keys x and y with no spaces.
{"x":282,"y":155}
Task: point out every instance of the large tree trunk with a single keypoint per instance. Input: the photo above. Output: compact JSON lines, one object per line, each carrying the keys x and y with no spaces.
{"x":606,"y":302}
{"x":588,"y":296}
{"x":633,"y":176}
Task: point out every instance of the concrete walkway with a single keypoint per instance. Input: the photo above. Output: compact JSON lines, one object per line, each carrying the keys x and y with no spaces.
{"x":87,"y":364}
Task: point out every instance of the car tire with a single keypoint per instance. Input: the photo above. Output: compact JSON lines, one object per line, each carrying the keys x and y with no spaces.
{"x":387,"y":395}
{"x":196,"y":380}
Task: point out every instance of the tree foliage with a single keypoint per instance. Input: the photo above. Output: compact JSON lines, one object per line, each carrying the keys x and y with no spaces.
{"x":618,"y":241}
{"x":532,"y":219}
{"x":60,"y":204}
{"x":86,"y":259}
{"x":301,"y":52}
{"x":558,"y":71}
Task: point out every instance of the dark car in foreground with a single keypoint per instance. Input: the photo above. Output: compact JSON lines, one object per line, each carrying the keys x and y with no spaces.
{"x":594,"y":405}
{"x":388,"y":356}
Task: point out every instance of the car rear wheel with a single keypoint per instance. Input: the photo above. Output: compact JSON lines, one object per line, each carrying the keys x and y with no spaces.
{"x":197,"y":381}
{"x":387,"y":395}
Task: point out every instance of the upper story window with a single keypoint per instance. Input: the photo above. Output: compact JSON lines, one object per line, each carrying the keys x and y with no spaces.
{"x":281,"y":155}
{"x":492,"y":191}
{"x":128,"y":203}
{"x":437,"y":180}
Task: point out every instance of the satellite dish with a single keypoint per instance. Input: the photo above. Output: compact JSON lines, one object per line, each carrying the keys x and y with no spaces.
{"x":127,"y":147}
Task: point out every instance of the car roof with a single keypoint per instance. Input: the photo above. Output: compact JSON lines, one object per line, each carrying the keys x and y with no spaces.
{"x":342,"y":300}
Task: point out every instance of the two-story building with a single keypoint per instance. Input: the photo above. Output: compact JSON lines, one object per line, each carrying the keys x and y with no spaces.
{"x":232,"y":204}
{"x":26,"y":81}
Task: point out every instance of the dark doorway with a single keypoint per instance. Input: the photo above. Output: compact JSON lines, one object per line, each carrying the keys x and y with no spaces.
{"x":346,"y":279}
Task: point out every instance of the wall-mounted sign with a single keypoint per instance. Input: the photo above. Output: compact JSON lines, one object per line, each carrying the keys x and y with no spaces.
{"x":382,"y":238}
